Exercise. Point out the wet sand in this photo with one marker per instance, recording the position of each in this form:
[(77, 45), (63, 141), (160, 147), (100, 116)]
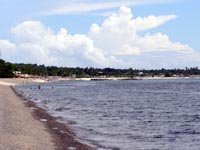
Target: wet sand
[(24, 126)]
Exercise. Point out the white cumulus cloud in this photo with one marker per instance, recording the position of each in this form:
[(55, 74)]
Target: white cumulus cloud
[(38, 43), (116, 42), (119, 34), (7, 49)]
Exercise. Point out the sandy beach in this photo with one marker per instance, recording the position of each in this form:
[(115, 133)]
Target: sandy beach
[(24, 126)]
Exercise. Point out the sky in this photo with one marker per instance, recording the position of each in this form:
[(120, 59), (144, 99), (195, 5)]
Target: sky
[(140, 34)]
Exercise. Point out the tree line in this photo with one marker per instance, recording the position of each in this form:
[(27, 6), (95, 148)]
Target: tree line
[(7, 69)]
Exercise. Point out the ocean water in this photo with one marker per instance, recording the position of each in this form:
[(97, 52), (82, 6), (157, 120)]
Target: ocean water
[(126, 115)]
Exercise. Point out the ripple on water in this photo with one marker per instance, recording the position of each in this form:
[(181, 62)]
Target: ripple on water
[(126, 115)]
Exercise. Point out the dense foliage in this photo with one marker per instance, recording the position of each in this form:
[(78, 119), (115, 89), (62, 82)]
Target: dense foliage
[(6, 70), (41, 70)]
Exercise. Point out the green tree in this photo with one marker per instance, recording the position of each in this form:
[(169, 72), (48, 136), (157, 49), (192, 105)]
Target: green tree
[(6, 69)]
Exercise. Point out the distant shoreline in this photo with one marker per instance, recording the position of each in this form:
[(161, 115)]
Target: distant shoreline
[(41, 80), (119, 78)]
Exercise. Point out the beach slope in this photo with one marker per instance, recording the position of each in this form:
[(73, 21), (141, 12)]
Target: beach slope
[(18, 129)]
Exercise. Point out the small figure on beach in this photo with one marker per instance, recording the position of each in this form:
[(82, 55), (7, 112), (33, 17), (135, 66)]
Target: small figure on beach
[(39, 87)]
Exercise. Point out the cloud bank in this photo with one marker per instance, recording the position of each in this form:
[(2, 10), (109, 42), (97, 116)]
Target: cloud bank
[(116, 42)]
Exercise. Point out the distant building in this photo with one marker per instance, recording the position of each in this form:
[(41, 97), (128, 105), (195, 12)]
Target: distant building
[(141, 73), (17, 72)]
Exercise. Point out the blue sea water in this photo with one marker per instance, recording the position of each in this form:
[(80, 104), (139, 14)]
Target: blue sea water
[(126, 115)]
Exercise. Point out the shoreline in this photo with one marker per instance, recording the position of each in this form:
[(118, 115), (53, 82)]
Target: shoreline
[(120, 78), (63, 137), (18, 129), (21, 81)]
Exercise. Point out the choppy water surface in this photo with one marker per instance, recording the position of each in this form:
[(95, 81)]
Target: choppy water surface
[(128, 115)]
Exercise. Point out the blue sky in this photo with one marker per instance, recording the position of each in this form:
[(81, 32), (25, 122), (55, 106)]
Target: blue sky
[(176, 29)]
